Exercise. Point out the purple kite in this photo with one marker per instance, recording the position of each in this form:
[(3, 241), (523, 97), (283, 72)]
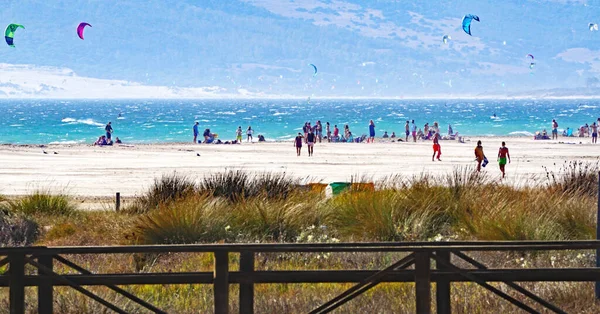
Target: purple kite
[(80, 29)]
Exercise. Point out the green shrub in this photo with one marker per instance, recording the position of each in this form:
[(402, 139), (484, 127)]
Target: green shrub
[(60, 230), (575, 177), (42, 202), (16, 230), (194, 219), (167, 189)]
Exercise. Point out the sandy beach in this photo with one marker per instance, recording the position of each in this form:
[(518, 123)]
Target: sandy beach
[(99, 172)]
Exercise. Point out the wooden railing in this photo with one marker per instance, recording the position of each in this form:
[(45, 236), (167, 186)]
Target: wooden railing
[(415, 266)]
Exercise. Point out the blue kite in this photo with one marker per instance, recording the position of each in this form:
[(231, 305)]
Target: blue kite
[(315, 67), (466, 22)]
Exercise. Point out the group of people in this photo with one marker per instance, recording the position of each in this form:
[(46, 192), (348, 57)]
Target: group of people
[(104, 140), (585, 130), (210, 137), (503, 157)]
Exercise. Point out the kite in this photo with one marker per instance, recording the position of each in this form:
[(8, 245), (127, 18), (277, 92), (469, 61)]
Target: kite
[(466, 22), (446, 38), (593, 27), (80, 29), (531, 64), (9, 34), (315, 67)]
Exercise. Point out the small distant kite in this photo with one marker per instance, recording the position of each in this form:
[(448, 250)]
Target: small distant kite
[(466, 22), (9, 34), (446, 39), (80, 29), (531, 64), (593, 27), (314, 67)]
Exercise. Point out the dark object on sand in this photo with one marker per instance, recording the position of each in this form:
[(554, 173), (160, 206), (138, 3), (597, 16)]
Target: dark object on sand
[(197, 154)]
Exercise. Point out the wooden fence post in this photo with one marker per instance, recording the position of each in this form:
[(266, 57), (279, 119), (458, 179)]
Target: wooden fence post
[(423, 282), (16, 282), (45, 289), (221, 282), (118, 201), (247, 288), (442, 288)]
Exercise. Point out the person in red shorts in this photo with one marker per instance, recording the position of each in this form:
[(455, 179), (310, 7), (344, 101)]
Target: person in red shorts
[(436, 147)]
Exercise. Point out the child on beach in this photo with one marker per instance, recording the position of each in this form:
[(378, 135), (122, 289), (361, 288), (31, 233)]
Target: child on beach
[(436, 147), (298, 143), (249, 133), (502, 155), (238, 134), (479, 156), (371, 138)]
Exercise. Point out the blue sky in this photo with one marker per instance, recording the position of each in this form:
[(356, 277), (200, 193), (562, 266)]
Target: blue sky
[(378, 48)]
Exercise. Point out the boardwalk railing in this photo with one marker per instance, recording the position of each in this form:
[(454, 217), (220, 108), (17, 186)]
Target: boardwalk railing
[(415, 266)]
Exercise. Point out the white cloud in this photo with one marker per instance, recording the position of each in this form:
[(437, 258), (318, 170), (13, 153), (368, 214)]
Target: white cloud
[(28, 81), (372, 23), (583, 56)]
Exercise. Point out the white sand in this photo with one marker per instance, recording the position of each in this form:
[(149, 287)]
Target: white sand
[(102, 171)]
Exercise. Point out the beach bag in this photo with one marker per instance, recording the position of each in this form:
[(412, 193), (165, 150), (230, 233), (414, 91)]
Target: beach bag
[(485, 162)]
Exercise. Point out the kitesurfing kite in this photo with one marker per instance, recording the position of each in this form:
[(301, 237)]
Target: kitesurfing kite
[(314, 67), (9, 34), (80, 29), (531, 64), (466, 22), (446, 38), (593, 27)]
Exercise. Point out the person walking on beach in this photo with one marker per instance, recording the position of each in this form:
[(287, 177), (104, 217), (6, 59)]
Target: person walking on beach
[(371, 138), (328, 130), (594, 133), (436, 147), (407, 129), (238, 134), (554, 129), (249, 133), (108, 128), (502, 155), (298, 143), (414, 131), (479, 156), (195, 129), (310, 142), (319, 130)]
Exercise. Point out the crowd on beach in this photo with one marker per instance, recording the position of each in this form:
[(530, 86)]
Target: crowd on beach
[(106, 140), (586, 130)]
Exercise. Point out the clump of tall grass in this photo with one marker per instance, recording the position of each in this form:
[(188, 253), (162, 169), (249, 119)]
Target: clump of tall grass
[(194, 219), (42, 202), (166, 189), (16, 230), (236, 185), (576, 177), (268, 219)]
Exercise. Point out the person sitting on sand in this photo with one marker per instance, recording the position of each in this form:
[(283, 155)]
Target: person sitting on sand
[(101, 141), (393, 135), (450, 131), (206, 135), (385, 135), (420, 134), (479, 156), (261, 138), (118, 141)]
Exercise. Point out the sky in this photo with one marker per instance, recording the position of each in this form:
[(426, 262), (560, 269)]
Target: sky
[(263, 48)]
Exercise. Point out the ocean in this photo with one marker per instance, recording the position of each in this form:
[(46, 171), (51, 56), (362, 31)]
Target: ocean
[(157, 121)]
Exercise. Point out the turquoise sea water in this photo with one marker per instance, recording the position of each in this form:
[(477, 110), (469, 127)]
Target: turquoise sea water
[(155, 121)]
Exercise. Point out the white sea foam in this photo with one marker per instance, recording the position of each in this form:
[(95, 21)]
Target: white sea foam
[(81, 121), (521, 133), (230, 113), (281, 114), (66, 142)]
